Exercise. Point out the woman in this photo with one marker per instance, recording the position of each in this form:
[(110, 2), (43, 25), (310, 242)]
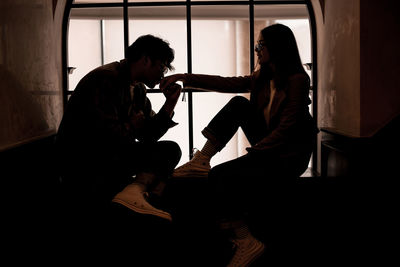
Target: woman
[(277, 123)]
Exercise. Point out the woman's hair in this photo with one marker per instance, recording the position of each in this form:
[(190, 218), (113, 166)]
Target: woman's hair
[(283, 52), (153, 47)]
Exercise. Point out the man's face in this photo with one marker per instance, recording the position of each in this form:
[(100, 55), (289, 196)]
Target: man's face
[(153, 72)]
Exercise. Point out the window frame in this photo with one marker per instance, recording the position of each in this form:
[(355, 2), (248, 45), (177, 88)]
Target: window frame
[(125, 4)]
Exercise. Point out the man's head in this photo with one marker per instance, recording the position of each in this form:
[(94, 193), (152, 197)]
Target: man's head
[(153, 55)]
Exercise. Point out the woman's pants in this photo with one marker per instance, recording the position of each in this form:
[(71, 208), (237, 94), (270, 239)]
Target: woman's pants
[(239, 184), (238, 112)]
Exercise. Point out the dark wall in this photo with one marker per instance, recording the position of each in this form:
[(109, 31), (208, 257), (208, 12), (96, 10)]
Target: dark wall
[(380, 68), (30, 70)]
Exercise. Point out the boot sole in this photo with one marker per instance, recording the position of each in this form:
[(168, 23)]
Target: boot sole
[(256, 256), (165, 215), (191, 174)]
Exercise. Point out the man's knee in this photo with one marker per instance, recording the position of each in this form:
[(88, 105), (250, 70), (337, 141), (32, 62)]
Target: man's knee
[(218, 176), (172, 149)]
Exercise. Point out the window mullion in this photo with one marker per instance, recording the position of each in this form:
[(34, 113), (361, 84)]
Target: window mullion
[(126, 26), (102, 36), (251, 32), (189, 62)]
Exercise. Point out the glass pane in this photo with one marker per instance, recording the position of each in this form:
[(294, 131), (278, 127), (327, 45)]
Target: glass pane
[(144, 1), (97, 13), (280, 11), (300, 1), (220, 47), (84, 48), (215, 0), (218, 12), (168, 23), (95, 38), (96, 1), (113, 39)]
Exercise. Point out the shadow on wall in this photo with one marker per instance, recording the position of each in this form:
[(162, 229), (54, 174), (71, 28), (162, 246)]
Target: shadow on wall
[(21, 117)]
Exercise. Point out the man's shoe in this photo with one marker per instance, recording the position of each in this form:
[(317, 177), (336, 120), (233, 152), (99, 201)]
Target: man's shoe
[(198, 166), (134, 197), (247, 250)]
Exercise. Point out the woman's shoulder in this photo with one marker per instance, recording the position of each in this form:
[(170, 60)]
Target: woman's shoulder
[(255, 74), (298, 81), (299, 77)]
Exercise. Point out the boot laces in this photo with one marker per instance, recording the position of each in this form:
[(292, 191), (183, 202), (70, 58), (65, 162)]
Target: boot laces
[(238, 251), (194, 151)]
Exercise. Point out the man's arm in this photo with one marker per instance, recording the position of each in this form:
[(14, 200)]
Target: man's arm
[(156, 125), (171, 94)]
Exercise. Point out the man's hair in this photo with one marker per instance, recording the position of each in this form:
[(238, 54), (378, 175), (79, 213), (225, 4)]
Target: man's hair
[(153, 47)]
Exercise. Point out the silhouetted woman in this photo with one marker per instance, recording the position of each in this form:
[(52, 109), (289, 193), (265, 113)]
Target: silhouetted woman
[(276, 122)]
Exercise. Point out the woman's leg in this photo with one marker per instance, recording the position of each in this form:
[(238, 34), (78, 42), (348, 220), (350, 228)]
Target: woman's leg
[(246, 247), (238, 112), (244, 188), (234, 187)]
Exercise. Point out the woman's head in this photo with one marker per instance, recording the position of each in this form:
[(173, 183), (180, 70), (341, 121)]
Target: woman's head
[(277, 50)]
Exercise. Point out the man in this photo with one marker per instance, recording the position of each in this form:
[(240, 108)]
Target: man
[(108, 136)]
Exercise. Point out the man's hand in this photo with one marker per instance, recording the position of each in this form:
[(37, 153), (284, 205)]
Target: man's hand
[(166, 82), (171, 94), (137, 119)]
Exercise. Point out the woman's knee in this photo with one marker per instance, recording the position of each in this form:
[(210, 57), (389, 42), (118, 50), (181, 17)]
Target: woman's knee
[(237, 106), (215, 172), (239, 101)]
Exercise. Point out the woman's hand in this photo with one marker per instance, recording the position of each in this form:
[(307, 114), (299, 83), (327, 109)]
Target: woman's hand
[(166, 82), (253, 149)]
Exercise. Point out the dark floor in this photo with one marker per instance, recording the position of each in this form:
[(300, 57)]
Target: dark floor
[(316, 223), (320, 222)]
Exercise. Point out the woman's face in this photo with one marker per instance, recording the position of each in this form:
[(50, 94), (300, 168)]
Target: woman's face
[(262, 51)]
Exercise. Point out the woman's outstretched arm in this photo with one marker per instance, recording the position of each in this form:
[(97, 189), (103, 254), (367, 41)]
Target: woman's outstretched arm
[(213, 83)]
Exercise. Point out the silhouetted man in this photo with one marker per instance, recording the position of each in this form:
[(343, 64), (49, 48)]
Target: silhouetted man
[(108, 139)]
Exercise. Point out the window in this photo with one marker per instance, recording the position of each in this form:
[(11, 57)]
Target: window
[(208, 37)]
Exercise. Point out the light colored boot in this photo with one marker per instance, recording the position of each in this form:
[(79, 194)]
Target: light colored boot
[(134, 196), (198, 166), (246, 251)]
